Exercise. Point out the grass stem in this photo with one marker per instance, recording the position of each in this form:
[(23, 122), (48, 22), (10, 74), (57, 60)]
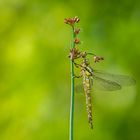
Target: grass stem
[(72, 93)]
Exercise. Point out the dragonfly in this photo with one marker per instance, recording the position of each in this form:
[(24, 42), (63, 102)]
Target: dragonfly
[(102, 81)]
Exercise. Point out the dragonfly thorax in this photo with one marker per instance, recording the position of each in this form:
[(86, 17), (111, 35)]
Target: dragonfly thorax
[(87, 71), (90, 70)]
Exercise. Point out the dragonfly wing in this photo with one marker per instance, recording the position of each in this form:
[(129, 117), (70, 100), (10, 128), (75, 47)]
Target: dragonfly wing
[(122, 80), (107, 82), (79, 88), (105, 85), (99, 84)]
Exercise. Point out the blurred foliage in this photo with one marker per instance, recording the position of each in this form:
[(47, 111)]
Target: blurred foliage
[(35, 71)]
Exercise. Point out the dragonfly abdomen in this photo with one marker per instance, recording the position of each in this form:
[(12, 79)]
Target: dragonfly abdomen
[(87, 89)]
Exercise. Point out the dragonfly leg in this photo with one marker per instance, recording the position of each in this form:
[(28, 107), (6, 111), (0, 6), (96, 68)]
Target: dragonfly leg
[(77, 65), (75, 76)]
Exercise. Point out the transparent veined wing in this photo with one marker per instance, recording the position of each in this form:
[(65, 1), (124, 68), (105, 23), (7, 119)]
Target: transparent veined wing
[(122, 80), (104, 84), (108, 82), (100, 84)]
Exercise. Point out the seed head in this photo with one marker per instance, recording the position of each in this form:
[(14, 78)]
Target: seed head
[(71, 21), (97, 58), (76, 41), (77, 30), (74, 53)]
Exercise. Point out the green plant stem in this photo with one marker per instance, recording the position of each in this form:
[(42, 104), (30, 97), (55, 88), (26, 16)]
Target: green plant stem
[(72, 93)]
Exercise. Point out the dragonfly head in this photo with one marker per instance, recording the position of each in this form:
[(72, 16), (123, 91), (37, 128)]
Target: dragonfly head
[(85, 62)]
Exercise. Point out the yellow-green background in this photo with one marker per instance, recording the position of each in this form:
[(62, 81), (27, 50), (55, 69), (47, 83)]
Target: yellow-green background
[(35, 70)]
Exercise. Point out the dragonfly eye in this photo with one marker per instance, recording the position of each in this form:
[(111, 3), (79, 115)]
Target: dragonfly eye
[(86, 62)]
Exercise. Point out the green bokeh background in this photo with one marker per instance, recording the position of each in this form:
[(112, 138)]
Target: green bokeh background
[(35, 70)]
